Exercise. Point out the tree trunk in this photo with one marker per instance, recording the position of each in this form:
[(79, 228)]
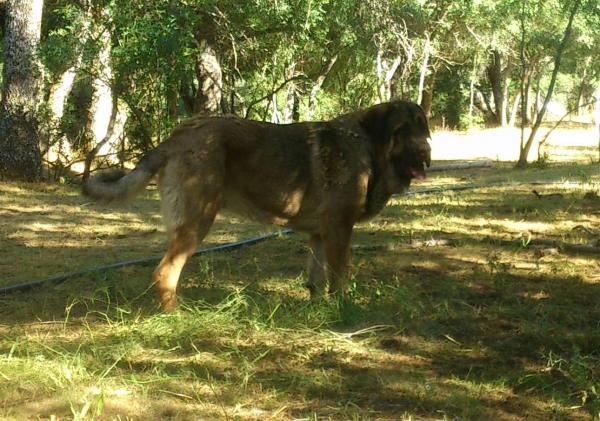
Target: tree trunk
[(405, 88), (585, 80), (275, 114), (59, 148), (208, 95), (515, 109), (296, 107), (528, 103), (208, 71), (597, 113), (290, 96), (105, 128), (108, 135), (424, 65), (427, 99), (402, 77), (494, 72), (171, 98), (20, 136), (524, 153), (505, 83), (385, 75), (101, 94), (231, 108), (523, 98), (379, 72), (472, 80), (312, 100)]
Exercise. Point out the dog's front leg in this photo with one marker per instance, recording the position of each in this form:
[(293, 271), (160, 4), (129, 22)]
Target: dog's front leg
[(316, 266), (336, 245)]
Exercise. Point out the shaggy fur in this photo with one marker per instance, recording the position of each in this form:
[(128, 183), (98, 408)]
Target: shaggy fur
[(319, 178)]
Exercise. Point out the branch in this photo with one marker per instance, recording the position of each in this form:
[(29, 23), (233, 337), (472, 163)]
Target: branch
[(570, 111), (557, 61), (109, 132), (586, 229), (477, 37), (267, 96)]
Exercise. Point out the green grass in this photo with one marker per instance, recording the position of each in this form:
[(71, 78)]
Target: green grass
[(473, 331)]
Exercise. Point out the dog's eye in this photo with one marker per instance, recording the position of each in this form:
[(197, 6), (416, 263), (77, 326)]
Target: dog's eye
[(404, 129)]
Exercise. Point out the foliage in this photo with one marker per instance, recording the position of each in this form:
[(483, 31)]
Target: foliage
[(280, 50)]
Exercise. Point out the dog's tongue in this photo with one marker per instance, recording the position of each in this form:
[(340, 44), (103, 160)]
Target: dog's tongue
[(418, 172)]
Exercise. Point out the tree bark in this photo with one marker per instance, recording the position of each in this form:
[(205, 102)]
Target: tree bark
[(58, 148), (505, 83), (427, 99), (597, 113), (110, 130), (424, 65), (524, 153), (312, 100), (208, 71), (499, 77), (291, 94), (515, 109), (385, 75), (585, 82), (101, 94), (20, 134), (494, 72)]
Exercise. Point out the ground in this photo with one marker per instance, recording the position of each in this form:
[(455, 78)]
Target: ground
[(476, 330)]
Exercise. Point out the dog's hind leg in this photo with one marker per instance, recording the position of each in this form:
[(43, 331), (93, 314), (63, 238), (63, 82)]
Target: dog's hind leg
[(316, 266), (183, 244), (189, 212), (184, 241)]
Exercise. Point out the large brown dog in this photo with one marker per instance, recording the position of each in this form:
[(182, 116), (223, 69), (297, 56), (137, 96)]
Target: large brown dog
[(319, 178)]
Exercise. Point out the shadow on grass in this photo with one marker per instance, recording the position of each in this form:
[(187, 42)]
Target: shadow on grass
[(484, 346), (461, 336)]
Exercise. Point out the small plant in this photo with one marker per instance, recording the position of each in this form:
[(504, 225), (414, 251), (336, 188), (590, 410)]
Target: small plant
[(584, 179), (472, 122), (95, 406), (499, 269)]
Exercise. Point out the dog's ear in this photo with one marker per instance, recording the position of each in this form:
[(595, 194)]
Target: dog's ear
[(375, 122), (421, 122)]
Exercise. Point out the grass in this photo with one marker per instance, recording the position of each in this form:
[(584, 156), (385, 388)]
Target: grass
[(474, 331)]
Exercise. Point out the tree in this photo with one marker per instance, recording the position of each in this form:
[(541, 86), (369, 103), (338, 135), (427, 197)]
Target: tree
[(20, 134), (526, 146), (294, 60)]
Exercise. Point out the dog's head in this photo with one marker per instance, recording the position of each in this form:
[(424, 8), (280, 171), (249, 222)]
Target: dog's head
[(399, 133)]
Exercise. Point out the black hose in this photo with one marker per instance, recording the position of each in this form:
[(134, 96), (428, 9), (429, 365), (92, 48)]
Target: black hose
[(61, 278), (482, 186)]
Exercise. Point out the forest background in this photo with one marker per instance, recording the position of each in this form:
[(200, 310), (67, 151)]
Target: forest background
[(82, 78)]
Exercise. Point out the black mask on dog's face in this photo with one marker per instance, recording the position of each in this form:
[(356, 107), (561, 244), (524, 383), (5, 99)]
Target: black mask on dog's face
[(411, 150)]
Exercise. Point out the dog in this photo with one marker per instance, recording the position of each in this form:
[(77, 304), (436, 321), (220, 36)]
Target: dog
[(319, 178)]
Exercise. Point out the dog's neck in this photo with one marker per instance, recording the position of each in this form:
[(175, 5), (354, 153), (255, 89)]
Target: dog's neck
[(383, 183)]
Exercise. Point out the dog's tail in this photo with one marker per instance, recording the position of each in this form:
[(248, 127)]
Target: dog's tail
[(119, 186)]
